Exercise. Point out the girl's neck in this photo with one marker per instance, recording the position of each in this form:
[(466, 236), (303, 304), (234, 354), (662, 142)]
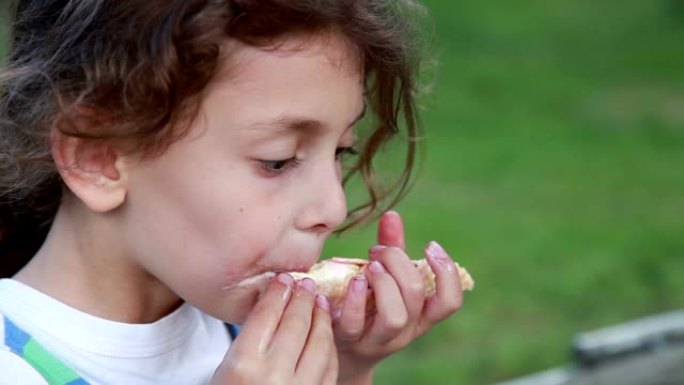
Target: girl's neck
[(83, 264)]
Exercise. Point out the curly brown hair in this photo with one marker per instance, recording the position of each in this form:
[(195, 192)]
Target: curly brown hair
[(141, 67)]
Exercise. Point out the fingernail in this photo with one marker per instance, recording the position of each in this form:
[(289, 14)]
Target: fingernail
[(392, 212), (375, 251), (436, 252), (308, 284), (336, 314), (359, 284), (376, 267), (285, 279), (322, 302)]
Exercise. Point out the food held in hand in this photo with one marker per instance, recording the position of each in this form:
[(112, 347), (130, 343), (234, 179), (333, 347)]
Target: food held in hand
[(332, 277)]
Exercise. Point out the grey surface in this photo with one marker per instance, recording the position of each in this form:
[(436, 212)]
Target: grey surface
[(645, 351), (661, 367), (558, 376), (642, 335)]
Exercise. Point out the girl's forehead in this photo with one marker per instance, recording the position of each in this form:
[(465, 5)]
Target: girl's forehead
[(312, 80), (331, 49)]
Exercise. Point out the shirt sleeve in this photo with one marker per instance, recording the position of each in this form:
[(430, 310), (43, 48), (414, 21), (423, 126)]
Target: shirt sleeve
[(17, 371)]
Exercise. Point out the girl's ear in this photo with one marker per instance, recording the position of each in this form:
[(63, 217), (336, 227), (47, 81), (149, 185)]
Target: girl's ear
[(93, 170)]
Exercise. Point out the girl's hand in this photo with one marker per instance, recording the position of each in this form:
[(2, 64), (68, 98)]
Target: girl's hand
[(403, 312), (287, 339)]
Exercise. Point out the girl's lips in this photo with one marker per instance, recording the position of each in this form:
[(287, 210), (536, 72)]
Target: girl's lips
[(260, 280), (264, 271)]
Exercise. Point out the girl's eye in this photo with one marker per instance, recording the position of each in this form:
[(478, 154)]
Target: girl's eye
[(278, 166), (342, 151)]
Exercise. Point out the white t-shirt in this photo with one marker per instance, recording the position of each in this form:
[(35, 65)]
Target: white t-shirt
[(182, 348)]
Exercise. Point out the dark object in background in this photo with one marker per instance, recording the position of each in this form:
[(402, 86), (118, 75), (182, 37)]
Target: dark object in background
[(20, 237)]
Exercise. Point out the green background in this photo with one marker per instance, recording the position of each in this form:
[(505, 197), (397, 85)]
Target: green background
[(554, 139), (554, 171)]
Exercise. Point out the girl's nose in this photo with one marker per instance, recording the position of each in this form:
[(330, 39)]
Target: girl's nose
[(326, 202)]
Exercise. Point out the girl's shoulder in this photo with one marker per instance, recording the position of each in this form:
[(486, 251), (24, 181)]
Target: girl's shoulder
[(15, 369), (102, 350)]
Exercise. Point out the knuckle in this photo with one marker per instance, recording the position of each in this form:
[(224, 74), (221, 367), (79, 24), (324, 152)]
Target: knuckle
[(453, 304), (323, 331), (416, 288), (396, 323), (354, 316), (326, 342), (321, 334), (274, 378), (325, 348), (351, 334), (299, 322), (388, 253), (394, 252), (243, 368)]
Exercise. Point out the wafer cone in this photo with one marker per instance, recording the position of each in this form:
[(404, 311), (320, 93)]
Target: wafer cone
[(332, 277)]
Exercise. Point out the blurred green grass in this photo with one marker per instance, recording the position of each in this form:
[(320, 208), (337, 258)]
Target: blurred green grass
[(555, 145)]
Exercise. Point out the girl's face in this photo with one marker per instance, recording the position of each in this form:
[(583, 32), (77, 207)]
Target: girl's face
[(256, 185)]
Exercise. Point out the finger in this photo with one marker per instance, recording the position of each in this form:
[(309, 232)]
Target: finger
[(263, 320), (314, 362), (391, 230), (351, 322), (290, 338), (448, 296), (331, 374), (407, 277), (391, 316)]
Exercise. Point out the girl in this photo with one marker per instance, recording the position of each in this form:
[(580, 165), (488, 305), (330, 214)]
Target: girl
[(179, 147)]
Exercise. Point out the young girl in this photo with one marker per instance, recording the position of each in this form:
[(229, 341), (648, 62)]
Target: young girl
[(178, 148)]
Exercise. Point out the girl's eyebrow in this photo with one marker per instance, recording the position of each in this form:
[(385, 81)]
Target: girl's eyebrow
[(297, 123)]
